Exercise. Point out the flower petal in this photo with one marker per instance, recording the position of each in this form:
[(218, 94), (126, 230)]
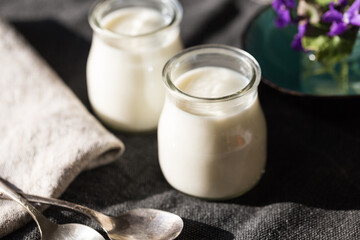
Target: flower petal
[(289, 3), (283, 19), (296, 43), (354, 8), (337, 28), (277, 5), (355, 20), (351, 16), (343, 3), (332, 15)]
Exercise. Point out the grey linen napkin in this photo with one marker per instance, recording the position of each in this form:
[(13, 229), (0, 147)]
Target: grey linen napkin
[(47, 137)]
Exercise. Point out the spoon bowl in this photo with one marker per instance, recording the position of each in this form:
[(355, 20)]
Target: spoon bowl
[(145, 223), (71, 231)]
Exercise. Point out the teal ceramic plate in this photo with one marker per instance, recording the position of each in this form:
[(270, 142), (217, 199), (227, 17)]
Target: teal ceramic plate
[(272, 48)]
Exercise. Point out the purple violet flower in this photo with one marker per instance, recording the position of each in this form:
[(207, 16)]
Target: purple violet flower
[(296, 43), (343, 3), (337, 28), (332, 15), (283, 8), (339, 21), (352, 16)]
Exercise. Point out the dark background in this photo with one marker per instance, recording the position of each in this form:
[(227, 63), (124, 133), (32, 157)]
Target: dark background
[(311, 187)]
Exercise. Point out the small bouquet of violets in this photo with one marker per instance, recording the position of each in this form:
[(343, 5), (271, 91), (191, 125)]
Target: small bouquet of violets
[(327, 28)]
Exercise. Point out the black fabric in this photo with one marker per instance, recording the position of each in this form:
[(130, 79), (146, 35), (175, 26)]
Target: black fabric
[(311, 187)]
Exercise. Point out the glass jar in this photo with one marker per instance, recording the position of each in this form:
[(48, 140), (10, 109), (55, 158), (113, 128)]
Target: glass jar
[(341, 78), (212, 146), (132, 41)]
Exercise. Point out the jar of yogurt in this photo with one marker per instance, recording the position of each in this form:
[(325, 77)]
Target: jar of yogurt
[(212, 131), (132, 41)]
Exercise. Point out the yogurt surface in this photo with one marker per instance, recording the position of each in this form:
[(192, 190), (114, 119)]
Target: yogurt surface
[(211, 82), (134, 21)]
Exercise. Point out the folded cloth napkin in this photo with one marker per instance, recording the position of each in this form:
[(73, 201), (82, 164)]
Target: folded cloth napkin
[(47, 137)]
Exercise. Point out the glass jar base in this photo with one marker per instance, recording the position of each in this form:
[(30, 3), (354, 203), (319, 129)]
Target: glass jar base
[(122, 127), (222, 198)]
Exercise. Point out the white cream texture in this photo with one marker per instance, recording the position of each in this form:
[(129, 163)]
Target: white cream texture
[(124, 73), (213, 156)]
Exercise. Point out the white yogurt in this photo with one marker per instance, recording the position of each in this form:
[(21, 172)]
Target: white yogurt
[(210, 153), (124, 67)]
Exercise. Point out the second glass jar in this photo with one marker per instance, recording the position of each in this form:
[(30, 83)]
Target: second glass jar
[(132, 41)]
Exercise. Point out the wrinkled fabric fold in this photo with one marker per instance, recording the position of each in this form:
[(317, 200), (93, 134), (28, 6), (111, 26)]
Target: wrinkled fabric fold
[(47, 137)]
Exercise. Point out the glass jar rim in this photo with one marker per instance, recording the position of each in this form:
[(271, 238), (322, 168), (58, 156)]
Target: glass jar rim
[(95, 22), (250, 86)]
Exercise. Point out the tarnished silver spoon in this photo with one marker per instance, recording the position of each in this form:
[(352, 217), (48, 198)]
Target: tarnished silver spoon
[(48, 229), (139, 224)]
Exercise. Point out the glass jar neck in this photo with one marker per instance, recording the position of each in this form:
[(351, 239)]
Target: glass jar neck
[(170, 10), (212, 107), (219, 56)]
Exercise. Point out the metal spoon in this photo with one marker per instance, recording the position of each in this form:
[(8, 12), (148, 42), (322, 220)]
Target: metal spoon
[(48, 229), (141, 224)]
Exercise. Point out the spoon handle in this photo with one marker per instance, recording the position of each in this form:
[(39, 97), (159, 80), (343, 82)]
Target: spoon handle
[(62, 203), (102, 219), (36, 215)]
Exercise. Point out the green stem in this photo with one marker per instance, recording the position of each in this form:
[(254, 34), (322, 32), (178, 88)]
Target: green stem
[(342, 79)]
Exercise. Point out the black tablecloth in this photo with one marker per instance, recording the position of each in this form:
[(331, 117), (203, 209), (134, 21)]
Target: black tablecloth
[(311, 187)]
